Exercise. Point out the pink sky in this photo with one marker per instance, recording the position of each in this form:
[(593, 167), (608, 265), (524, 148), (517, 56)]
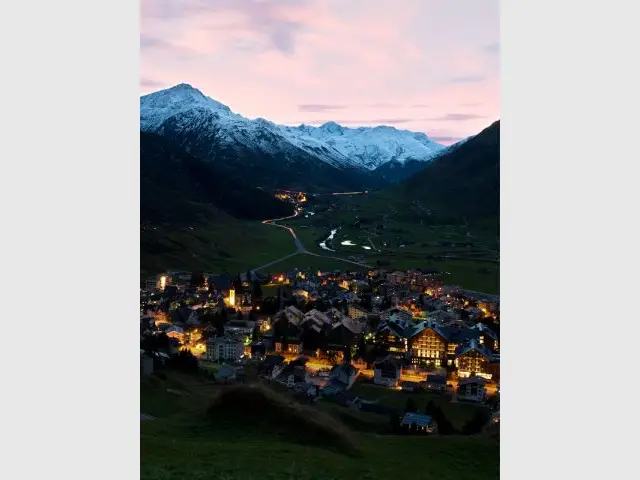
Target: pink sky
[(422, 65)]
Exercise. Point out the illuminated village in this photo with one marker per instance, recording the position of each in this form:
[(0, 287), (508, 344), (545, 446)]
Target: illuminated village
[(321, 333)]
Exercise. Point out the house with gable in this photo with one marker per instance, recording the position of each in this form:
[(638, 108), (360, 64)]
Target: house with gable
[(473, 359), (487, 337), (393, 335), (472, 389), (387, 371)]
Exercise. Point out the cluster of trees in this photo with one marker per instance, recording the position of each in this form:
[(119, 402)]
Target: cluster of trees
[(155, 343), (184, 361)]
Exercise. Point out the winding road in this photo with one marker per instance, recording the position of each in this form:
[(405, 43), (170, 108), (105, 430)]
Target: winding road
[(300, 248)]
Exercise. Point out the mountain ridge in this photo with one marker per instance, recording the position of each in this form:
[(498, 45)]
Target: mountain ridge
[(186, 109)]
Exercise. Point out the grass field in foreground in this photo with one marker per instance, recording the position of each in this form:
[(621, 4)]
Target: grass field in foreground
[(182, 443)]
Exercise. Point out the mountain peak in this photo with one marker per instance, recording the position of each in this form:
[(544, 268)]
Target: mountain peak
[(332, 127), (183, 86)]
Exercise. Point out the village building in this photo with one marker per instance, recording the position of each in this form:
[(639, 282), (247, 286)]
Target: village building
[(387, 371), (472, 358), (223, 348), (472, 389)]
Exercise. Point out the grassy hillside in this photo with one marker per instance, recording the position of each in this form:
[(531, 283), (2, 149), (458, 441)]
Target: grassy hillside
[(183, 442), (227, 245), (193, 218), (464, 182)]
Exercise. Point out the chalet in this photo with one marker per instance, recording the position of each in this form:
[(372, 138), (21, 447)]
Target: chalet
[(270, 364), (393, 337), (436, 383), (402, 313), (291, 374), (418, 423), (344, 333), (387, 371), (343, 375), (472, 389), (287, 333), (487, 337), (430, 342), (472, 358)]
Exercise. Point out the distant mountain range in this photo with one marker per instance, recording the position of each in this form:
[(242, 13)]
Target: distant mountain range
[(261, 153)]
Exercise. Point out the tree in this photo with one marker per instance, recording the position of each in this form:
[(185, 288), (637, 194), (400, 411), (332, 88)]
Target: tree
[(197, 279), (411, 406), (255, 334), (431, 408), (185, 361), (256, 291), (154, 343), (477, 422)]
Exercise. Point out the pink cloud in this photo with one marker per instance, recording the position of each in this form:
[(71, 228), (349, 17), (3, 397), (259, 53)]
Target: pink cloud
[(268, 58)]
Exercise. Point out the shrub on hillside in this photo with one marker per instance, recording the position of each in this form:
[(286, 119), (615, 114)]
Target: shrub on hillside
[(477, 422), (260, 407), (184, 361)]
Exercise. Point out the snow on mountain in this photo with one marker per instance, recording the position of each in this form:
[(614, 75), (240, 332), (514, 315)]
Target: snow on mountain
[(185, 108), (371, 147)]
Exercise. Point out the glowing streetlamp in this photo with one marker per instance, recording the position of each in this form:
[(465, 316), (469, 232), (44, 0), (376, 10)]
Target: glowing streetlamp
[(232, 298), (163, 282)]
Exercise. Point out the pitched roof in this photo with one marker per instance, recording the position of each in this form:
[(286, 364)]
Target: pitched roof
[(481, 327), (473, 345), (346, 368), (417, 418), (465, 381), (437, 379), (272, 360), (388, 359)]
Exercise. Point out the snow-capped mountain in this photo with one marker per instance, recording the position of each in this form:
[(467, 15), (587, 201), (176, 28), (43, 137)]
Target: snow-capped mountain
[(185, 112), (370, 147)]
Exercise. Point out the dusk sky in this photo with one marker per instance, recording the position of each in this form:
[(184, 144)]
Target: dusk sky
[(424, 65)]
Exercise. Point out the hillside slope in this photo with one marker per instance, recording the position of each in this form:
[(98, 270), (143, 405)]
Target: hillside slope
[(193, 217), (464, 182), (178, 188)]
